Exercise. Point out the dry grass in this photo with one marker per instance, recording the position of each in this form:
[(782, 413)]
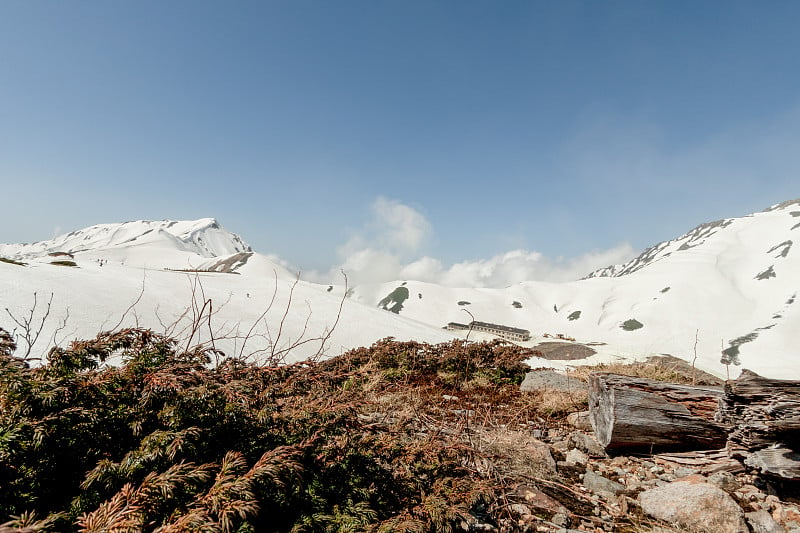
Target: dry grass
[(556, 404), (659, 370)]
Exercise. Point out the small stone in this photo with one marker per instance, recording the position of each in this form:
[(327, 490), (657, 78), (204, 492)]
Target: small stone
[(724, 480), (560, 519), (561, 446), (580, 420), (586, 443), (539, 501), (599, 484), (520, 509), (683, 471), (576, 457), (762, 522), (695, 505)]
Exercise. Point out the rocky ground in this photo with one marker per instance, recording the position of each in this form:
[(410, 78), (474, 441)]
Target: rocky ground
[(588, 491), (580, 488)]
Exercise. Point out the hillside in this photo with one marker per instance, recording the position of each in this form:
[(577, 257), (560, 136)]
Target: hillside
[(725, 286), (724, 292), (192, 280)]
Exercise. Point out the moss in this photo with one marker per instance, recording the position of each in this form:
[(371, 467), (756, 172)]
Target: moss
[(64, 263)]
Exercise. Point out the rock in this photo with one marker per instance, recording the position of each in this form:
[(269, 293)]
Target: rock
[(762, 522), (551, 380), (580, 420), (586, 443), (539, 501), (683, 471), (696, 505), (724, 480), (576, 457), (520, 509), (597, 483), (560, 519)]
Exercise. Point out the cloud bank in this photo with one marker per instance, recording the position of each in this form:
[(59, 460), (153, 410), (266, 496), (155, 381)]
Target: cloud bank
[(389, 247)]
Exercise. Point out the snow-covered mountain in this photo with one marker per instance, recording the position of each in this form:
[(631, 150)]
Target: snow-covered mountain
[(725, 292), (137, 243), (190, 279)]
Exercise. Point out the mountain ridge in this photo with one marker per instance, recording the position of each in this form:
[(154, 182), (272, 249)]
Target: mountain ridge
[(722, 296), (204, 237)]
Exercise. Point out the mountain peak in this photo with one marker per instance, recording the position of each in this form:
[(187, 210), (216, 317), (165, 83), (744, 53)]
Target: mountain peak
[(712, 239), (204, 237)]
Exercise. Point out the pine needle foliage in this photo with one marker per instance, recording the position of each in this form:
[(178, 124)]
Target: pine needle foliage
[(162, 441)]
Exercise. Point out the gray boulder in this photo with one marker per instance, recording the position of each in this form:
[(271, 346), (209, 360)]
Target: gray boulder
[(762, 522), (601, 485), (696, 505)]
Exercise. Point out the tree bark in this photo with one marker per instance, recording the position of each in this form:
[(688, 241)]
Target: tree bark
[(637, 414), (763, 411), (765, 415)]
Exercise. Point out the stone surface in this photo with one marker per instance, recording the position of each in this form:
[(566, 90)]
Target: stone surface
[(580, 420), (724, 480), (762, 522), (586, 443), (696, 505), (597, 483), (539, 501), (551, 380), (576, 457)]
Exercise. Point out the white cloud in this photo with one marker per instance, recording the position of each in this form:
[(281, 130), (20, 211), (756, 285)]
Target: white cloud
[(400, 227), (387, 249)]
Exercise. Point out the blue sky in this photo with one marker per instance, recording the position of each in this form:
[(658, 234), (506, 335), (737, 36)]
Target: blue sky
[(319, 130)]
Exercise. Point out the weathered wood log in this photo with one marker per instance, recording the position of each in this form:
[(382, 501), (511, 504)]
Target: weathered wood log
[(777, 461), (763, 412), (629, 413), (765, 415), (703, 461)]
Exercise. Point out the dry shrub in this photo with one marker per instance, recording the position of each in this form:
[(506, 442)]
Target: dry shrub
[(557, 404), (658, 370)]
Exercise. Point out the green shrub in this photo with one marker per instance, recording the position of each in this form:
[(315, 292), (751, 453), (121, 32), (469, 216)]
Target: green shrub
[(166, 441)]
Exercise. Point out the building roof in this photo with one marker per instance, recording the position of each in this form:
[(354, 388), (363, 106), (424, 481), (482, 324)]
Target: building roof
[(500, 327)]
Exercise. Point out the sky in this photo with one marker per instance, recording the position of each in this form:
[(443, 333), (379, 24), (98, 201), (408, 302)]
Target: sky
[(462, 142)]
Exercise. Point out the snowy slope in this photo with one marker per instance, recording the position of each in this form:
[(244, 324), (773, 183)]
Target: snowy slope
[(729, 286), (164, 243), (732, 285), (169, 275)]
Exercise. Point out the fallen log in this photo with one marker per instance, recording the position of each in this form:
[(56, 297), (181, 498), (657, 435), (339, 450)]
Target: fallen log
[(704, 461), (763, 412), (776, 461), (765, 415), (638, 414)]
